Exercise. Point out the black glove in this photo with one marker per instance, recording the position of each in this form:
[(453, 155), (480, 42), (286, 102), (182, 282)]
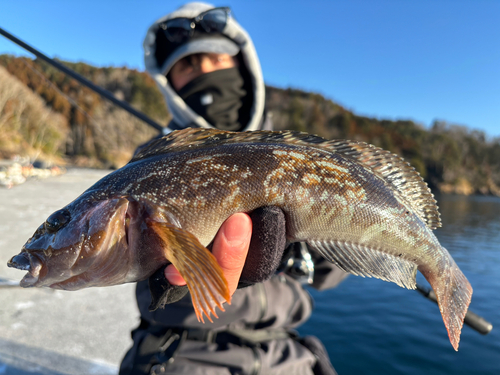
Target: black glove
[(267, 245), (162, 292)]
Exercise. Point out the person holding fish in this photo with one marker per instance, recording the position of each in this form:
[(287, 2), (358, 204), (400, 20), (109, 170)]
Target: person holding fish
[(207, 210), (207, 68)]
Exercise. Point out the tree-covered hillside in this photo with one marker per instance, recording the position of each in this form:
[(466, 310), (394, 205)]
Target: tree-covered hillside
[(87, 130), (450, 157)]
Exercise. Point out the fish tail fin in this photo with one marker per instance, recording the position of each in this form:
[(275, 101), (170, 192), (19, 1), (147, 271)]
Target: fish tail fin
[(454, 293), (199, 268)]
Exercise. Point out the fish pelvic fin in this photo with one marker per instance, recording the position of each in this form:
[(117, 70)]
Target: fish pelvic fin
[(454, 293), (364, 261), (197, 265)]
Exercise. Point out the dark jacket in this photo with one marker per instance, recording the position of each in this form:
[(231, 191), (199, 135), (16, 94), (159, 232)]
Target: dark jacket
[(255, 333), (253, 336)]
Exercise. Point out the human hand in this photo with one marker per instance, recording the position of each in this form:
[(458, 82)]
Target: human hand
[(230, 248)]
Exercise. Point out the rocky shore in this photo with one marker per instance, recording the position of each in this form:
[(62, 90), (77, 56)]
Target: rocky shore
[(17, 170)]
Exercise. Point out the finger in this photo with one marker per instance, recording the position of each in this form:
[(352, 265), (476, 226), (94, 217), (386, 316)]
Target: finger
[(173, 276), (231, 247)]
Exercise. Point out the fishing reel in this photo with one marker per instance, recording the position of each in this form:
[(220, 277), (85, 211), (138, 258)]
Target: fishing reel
[(297, 263)]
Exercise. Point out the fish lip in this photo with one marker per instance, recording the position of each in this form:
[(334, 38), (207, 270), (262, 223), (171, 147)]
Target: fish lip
[(27, 262), (20, 261)]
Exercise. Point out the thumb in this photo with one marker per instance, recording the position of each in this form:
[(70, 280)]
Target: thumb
[(231, 247)]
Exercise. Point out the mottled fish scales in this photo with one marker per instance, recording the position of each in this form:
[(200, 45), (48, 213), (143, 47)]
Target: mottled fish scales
[(390, 167)]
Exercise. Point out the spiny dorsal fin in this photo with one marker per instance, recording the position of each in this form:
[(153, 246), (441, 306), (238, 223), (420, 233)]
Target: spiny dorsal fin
[(185, 139), (390, 167), (399, 173), (196, 138)]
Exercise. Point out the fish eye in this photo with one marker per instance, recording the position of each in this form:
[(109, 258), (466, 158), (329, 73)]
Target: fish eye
[(57, 220)]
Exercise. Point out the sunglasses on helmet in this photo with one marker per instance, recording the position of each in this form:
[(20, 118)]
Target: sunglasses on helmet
[(178, 30)]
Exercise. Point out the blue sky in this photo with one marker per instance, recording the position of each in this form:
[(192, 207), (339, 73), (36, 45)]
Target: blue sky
[(396, 59)]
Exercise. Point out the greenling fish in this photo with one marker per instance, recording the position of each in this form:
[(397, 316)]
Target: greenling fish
[(360, 207)]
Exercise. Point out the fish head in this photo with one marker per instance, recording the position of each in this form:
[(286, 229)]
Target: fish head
[(73, 246)]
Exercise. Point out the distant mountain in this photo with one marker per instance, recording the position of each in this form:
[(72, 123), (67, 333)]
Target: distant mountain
[(50, 115)]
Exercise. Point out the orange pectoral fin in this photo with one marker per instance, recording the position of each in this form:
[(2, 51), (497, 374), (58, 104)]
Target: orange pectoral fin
[(198, 267)]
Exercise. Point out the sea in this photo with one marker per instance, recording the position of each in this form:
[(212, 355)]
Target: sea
[(369, 326)]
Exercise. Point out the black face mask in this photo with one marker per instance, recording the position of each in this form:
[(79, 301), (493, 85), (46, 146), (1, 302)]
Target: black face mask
[(223, 98)]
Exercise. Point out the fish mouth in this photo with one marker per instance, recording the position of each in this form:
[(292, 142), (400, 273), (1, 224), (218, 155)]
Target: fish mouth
[(79, 254), (30, 263)]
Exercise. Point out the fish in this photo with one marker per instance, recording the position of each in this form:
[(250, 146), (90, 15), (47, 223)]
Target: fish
[(359, 206)]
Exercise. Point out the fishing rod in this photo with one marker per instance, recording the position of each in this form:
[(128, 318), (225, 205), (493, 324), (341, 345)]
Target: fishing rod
[(99, 90)]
